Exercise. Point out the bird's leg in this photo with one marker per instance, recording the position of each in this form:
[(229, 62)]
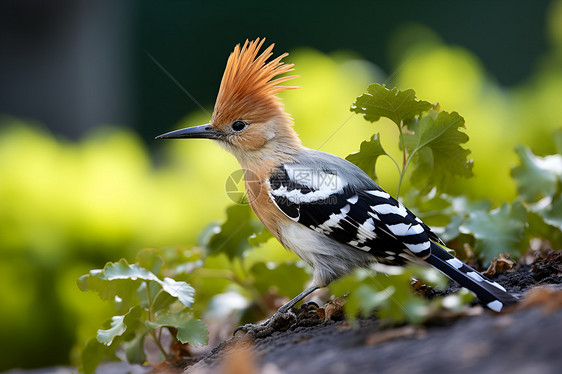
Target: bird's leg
[(281, 313)]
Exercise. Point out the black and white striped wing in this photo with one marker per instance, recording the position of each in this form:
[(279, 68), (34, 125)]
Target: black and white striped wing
[(369, 220)]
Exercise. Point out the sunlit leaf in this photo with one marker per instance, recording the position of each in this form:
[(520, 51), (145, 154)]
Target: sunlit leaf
[(437, 151), (536, 177), (108, 289), (367, 156), (190, 330), (183, 291), (119, 325), (117, 328), (123, 270), (123, 280), (233, 237), (394, 104), (498, 231)]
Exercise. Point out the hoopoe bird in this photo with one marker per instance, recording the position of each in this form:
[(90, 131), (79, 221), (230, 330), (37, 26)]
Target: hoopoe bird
[(322, 207)]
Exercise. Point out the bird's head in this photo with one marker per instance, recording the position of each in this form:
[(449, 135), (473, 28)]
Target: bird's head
[(249, 119)]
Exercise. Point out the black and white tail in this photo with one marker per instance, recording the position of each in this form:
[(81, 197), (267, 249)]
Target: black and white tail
[(490, 293)]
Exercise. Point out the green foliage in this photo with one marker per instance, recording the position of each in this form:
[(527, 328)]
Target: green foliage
[(390, 295), (151, 304), (123, 280), (435, 147), (537, 177), (232, 239), (429, 139), (394, 104), (539, 182), (499, 231), (189, 330), (366, 158)]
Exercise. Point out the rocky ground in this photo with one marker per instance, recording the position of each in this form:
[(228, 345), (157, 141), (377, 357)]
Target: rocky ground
[(524, 339)]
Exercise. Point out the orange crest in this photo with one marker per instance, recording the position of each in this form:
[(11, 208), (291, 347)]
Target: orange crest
[(248, 88)]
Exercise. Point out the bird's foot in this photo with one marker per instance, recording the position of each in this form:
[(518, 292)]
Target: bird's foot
[(280, 321)]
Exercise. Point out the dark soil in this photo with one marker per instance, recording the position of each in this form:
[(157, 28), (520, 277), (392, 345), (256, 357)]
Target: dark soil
[(523, 339)]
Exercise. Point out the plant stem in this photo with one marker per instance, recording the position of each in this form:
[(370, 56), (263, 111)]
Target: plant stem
[(149, 301), (158, 344), (404, 152)]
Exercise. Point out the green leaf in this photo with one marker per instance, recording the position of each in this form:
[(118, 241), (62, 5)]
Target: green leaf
[(162, 300), (190, 330), (123, 280), (552, 214), (368, 154), (261, 238), (438, 154), (119, 325), (194, 332), (134, 349), (498, 231), (125, 289), (94, 353), (233, 237), (183, 291), (394, 104), (536, 177), (115, 279), (539, 227), (122, 270)]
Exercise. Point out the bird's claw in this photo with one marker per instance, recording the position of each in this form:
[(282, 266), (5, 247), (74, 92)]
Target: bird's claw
[(279, 318)]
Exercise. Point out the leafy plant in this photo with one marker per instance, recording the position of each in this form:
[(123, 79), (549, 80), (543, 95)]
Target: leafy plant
[(539, 183), (431, 143), (148, 305), (430, 139)]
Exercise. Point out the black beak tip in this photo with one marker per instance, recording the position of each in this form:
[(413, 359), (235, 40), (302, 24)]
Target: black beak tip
[(202, 132)]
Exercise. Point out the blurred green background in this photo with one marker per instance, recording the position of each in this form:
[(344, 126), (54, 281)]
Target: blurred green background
[(85, 86)]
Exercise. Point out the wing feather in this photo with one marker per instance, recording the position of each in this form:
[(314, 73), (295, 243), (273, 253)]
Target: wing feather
[(367, 219)]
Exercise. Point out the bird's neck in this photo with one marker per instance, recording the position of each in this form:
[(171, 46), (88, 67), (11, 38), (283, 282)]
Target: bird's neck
[(274, 153)]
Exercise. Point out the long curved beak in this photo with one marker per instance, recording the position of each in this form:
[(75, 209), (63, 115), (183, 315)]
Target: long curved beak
[(195, 132)]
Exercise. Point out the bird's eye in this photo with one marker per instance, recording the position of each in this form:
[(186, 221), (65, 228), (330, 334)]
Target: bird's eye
[(239, 126)]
